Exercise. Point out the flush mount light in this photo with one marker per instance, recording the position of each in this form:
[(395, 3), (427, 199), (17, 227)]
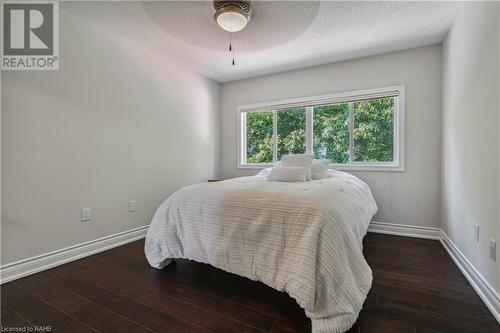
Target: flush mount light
[(232, 16)]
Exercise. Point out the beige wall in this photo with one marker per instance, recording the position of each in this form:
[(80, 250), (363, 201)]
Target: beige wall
[(115, 123), (410, 197), (471, 108)]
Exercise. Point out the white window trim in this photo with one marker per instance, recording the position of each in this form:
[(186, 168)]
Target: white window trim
[(399, 126)]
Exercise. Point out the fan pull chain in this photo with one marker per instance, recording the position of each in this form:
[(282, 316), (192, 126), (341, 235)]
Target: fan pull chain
[(231, 48), (232, 51), (230, 39)]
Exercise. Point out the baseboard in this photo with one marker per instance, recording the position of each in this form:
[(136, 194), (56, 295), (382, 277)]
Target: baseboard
[(45, 261), (404, 230), (489, 296)]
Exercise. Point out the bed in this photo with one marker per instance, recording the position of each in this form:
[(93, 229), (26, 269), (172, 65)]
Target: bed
[(302, 238)]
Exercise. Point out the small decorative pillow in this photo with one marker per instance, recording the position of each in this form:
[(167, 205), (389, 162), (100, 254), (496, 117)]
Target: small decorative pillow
[(264, 172), (287, 174), (319, 169), (299, 160)]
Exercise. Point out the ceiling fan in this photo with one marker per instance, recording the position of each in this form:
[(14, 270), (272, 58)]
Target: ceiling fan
[(232, 16)]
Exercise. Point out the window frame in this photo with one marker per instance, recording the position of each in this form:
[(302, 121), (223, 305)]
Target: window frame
[(398, 91)]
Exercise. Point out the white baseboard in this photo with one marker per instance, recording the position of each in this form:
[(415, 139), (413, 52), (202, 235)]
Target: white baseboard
[(404, 230), (489, 296), (45, 261)]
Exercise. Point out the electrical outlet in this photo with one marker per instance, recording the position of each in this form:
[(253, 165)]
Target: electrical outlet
[(476, 232), (493, 250), (86, 214), (132, 206)]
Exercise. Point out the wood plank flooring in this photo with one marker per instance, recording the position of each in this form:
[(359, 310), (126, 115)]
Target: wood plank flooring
[(416, 288)]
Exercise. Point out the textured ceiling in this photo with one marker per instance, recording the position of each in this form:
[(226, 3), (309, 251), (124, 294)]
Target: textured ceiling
[(281, 35)]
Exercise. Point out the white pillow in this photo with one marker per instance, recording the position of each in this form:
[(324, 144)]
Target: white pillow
[(299, 160), (264, 172), (319, 168), (287, 174)]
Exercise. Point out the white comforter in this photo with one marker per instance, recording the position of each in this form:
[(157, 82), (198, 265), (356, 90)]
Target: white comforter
[(301, 238)]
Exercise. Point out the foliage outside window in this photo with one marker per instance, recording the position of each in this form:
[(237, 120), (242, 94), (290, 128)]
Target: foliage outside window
[(331, 132), (291, 131), (259, 137), (374, 130), (357, 132)]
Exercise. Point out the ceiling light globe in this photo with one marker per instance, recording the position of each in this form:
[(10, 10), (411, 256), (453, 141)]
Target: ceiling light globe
[(231, 19)]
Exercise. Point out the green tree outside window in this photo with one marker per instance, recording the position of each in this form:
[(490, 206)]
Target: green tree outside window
[(374, 130), (291, 131), (259, 131)]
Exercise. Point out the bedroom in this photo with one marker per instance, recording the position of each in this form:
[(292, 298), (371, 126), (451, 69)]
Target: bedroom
[(132, 143)]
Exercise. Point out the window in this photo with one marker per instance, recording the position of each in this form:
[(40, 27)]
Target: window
[(356, 131)]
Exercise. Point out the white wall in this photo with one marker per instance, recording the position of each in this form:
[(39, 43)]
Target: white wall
[(115, 123), (471, 141), (410, 197)]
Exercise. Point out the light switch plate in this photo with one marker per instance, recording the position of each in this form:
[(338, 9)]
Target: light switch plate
[(476, 232), (86, 214), (493, 250), (132, 206)]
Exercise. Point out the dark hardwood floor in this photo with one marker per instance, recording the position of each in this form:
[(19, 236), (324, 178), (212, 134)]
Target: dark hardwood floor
[(416, 288)]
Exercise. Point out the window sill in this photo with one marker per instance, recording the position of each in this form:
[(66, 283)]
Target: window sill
[(255, 166), (340, 167), (368, 167)]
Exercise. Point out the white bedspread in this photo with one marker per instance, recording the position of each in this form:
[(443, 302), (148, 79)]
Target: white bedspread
[(301, 238)]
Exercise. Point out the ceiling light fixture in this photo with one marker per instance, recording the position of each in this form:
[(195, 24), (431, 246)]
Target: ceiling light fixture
[(232, 16)]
